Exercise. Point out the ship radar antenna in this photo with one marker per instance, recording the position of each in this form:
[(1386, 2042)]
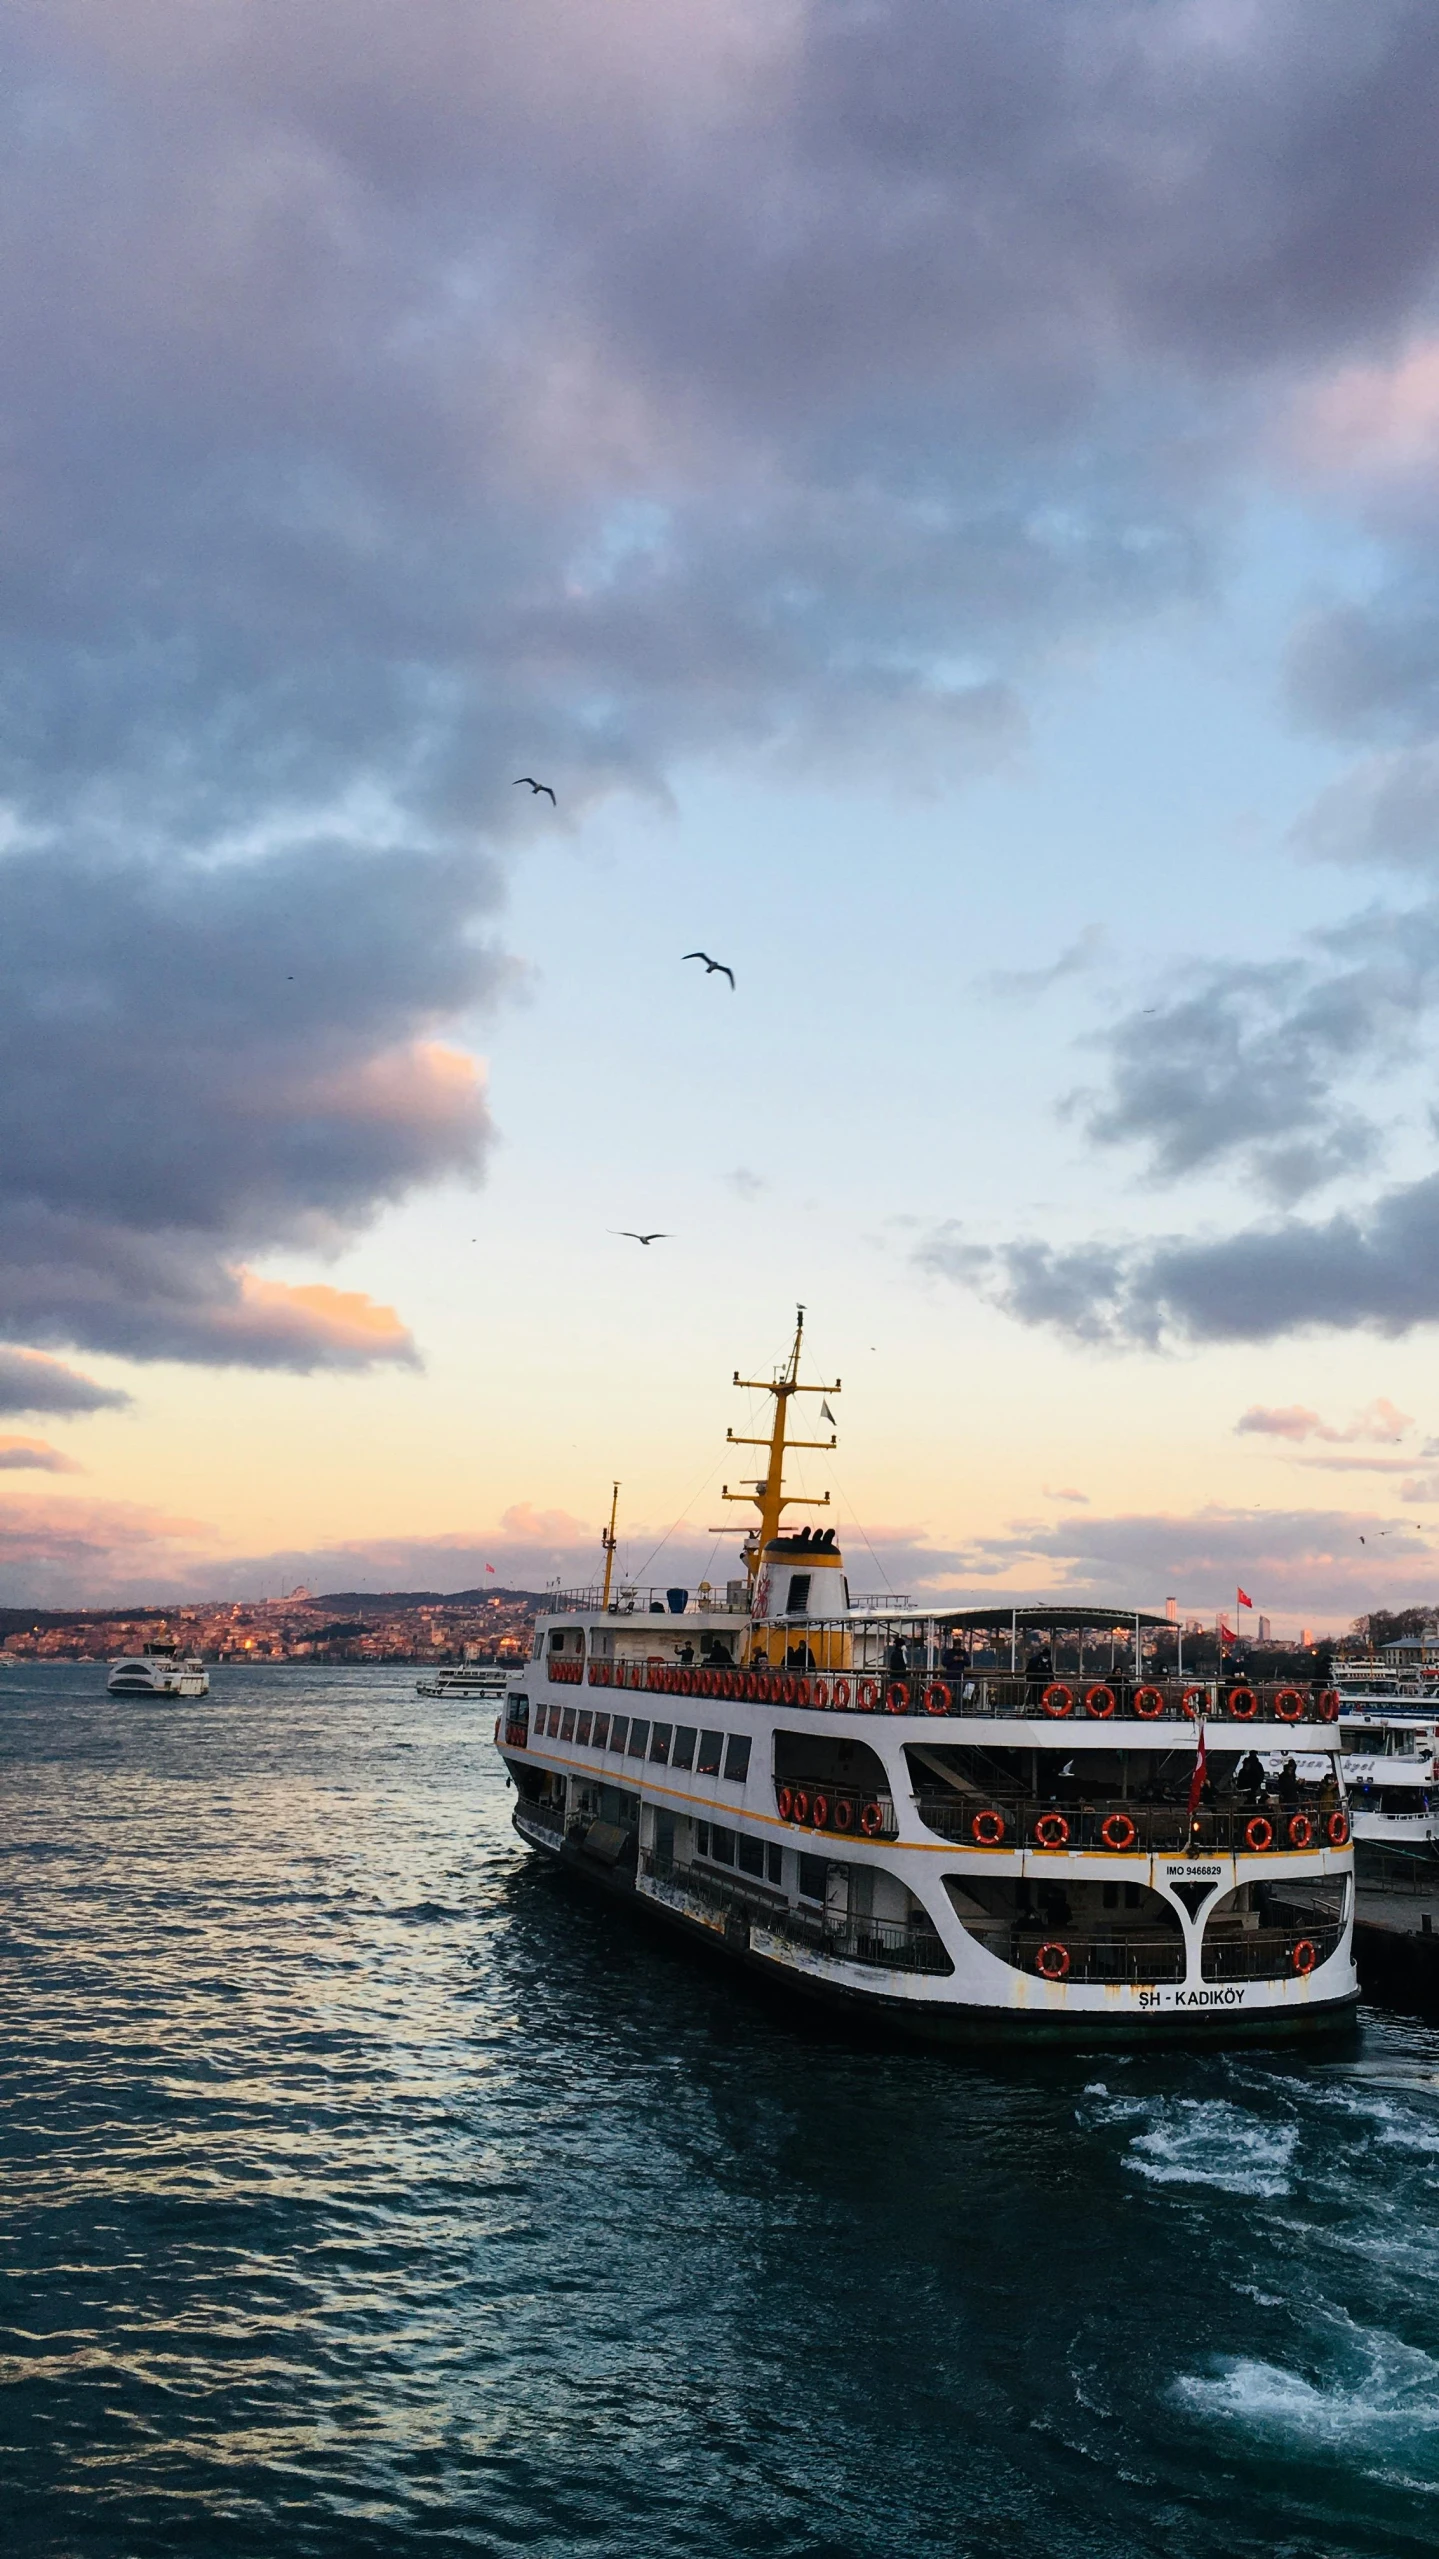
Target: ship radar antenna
[(608, 1541), (767, 1491)]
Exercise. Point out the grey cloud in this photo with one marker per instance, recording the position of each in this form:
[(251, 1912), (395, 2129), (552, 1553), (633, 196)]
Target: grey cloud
[(1378, 1272), (1083, 953), (1386, 812), (1366, 670), (1309, 1560), (36, 1455), (31, 1383)]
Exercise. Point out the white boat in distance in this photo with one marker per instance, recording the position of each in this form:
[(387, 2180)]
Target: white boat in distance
[(485, 1681), (161, 1670), (897, 1812)]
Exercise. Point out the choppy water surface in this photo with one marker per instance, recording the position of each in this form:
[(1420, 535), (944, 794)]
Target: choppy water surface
[(365, 2188)]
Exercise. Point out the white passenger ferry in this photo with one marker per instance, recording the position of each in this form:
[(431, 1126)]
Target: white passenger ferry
[(974, 1823), (1389, 1725), (161, 1670), (484, 1682)]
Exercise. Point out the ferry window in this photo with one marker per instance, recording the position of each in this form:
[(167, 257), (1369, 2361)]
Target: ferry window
[(618, 1730), (683, 1753), (602, 1731), (660, 1741), (542, 1716), (736, 1758), (722, 1845), (567, 1725), (774, 1863), (702, 1838), (811, 1878), (749, 1855), (708, 1762), (557, 1641), (639, 1735), (582, 1728), (798, 1600), (538, 1646)]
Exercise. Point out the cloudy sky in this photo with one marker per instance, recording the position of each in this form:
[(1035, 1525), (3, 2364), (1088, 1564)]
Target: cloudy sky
[(947, 492)]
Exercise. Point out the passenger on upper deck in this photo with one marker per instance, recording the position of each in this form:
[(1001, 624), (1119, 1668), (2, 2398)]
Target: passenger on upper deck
[(1040, 1664), (715, 1653), (952, 1662), (896, 1660)]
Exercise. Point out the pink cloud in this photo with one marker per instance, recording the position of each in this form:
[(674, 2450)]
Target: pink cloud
[(1372, 418), (1380, 1420), (19, 1454)]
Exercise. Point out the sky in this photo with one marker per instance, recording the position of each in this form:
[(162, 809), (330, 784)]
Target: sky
[(947, 494)]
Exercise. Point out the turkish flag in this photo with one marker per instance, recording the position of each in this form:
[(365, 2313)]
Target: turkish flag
[(1226, 1633), (1244, 1599)]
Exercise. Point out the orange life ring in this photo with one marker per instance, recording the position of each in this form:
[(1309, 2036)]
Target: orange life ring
[(1057, 1699), (1288, 1705), (1147, 1702), (843, 1813), (1301, 1831), (841, 1695), (1338, 1827), (819, 1811), (867, 1696), (937, 1699), (687, 1682), (1243, 1705), (1329, 1705), (1305, 1955), (1193, 1701), (805, 1693), (897, 1697), (1052, 1830), (1053, 1962), (1099, 1700), (987, 1829), (1258, 1834), (766, 1689), (801, 1804), (1118, 1832), (871, 1820), (751, 1686), (788, 1688), (819, 1692), (785, 1800)]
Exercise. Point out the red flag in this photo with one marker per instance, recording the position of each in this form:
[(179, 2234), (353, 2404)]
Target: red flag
[(1244, 1599), (1226, 1633), (489, 1568), (1196, 1782)]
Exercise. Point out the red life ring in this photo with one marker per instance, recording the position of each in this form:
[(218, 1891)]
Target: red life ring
[(1057, 1699), (801, 1805), (1118, 1832), (897, 1697), (805, 1693), (1052, 1830), (1258, 1834), (937, 1699), (1193, 1702), (871, 1821), (1099, 1701), (867, 1696), (785, 1801), (819, 1692), (594, 1674), (1148, 1702), (1329, 1705), (751, 1686), (987, 1829), (1053, 1962), (843, 1813), (1243, 1705), (819, 1811), (1301, 1831), (1305, 1955), (687, 1682), (1338, 1827), (841, 1695), (1288, 1705)]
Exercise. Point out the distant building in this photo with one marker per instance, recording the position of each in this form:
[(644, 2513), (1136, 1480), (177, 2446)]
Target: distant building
[(1407, 1650), (1266, 1630)]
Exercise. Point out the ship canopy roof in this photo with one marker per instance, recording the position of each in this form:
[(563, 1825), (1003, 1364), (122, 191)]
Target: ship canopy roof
[(1043, 1617)]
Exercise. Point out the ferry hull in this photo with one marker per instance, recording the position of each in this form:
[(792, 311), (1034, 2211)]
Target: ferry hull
[(1207, 2015)]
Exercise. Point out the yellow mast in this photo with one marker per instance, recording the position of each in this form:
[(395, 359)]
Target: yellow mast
[(607, 1540), (769, 1496)]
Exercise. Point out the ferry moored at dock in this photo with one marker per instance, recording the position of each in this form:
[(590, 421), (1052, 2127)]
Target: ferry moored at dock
[(977, 1824)]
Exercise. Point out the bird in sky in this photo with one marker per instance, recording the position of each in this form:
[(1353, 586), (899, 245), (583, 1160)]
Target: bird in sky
[(534, 786), (658, 1237), (713, 968)]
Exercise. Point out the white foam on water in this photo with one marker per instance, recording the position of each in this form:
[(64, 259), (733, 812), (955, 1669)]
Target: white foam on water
[(1396, 2397), (1208, 2142)]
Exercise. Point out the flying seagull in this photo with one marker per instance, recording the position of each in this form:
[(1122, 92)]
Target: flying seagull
[(713, 968), (658, 1237), (534, 786)]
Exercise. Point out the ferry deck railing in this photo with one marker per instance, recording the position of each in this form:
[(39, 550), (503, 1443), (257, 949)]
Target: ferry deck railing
[(1123, 1827), (939, 1696), (1268, 1954), (889, 1945), (1061, 1954)]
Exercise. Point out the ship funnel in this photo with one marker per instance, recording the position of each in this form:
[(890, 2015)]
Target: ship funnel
[(801, 1575)]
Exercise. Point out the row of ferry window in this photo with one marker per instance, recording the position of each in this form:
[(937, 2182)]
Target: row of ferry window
[(672, 1745)]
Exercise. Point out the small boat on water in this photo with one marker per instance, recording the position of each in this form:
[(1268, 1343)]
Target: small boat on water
[(161, 1670), (483, 1681), (976, 1823)]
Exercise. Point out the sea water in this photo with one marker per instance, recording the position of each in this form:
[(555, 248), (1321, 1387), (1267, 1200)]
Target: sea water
[(367, 2187)]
